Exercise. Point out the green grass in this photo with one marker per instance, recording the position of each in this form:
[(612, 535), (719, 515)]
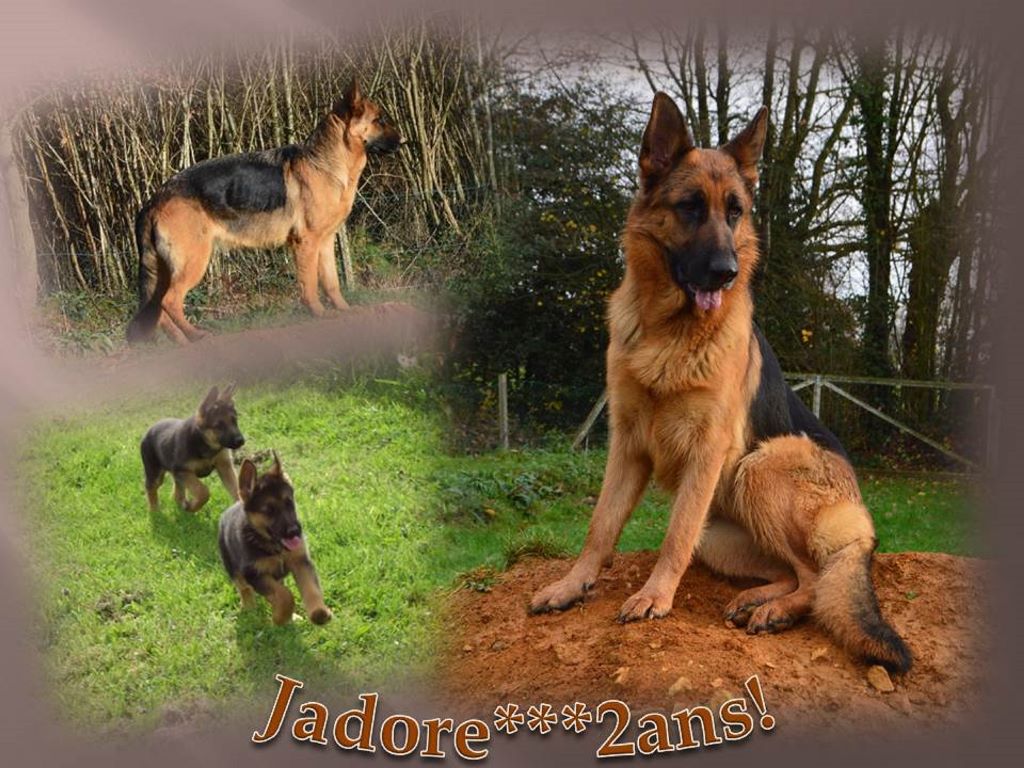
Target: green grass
[(546, 496), (136, 612), (137, 609), (919, 514)]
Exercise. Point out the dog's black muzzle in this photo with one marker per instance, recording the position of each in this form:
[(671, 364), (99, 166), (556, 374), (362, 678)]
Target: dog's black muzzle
[(288, 529), (384, 145), (234, 442), (711, 273), (722, 270)]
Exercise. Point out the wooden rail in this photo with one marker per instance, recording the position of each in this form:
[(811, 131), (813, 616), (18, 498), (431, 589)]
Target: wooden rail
[(820, 382)]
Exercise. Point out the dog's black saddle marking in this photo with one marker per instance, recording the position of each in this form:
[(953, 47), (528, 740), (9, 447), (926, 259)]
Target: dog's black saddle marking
[(777, 410), (239, 184)]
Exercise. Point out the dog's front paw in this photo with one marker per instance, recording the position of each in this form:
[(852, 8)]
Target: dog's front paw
[(280, 618), (320, 615), (560, 594), (648, 603), (315, 308), (284, 609)]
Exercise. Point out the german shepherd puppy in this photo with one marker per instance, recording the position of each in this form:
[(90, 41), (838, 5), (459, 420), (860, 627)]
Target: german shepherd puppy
[(297, 195), (192, 448), (261, 542), (698, 401)]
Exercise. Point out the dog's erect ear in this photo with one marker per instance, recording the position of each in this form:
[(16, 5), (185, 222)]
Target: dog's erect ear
[(747, 146), (353, 95), (246, 480), (666, 140), (351, 104), (277, 469), (208, 401), (228, 393)]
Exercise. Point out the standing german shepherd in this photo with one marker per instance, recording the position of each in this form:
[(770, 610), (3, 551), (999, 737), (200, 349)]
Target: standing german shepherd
[(261, 542), (297, 195), (697, 399)]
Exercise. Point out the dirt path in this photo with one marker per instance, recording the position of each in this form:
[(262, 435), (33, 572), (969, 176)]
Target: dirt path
[(497, 653)]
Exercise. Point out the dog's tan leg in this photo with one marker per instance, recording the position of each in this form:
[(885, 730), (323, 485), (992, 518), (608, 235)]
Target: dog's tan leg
[(228, 476), (328, 267), (783, 611), (625, 479), (179, 492), (171, 328), (779, 493), (152, 492), (246, 592), (740, 608), (690, 508), (282, 602), (309, 587), (189, 245), (174, 307), (730, 549), (307, 260), (196, 488)]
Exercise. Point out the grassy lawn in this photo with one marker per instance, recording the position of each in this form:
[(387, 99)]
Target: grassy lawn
[(137, 613), (542, 499), (137, 608)]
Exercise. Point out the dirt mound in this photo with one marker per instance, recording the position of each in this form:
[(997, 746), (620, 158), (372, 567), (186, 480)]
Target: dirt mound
[(498, 653)]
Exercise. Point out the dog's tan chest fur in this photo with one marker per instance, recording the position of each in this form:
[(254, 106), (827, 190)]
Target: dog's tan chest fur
[(681, 389), (203, 467)]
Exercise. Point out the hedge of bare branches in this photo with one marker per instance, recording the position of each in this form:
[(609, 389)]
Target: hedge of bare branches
[(93, 153)]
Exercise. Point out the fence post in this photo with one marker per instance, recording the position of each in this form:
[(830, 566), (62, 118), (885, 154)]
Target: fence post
[(816, 405), (503, 411), (584, 431)]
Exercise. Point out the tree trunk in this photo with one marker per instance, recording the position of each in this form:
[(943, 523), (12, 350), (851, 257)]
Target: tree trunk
[(346, 259), (869, 87)]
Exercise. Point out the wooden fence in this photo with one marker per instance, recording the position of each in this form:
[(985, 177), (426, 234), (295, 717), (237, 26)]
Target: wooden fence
[(820, 382)]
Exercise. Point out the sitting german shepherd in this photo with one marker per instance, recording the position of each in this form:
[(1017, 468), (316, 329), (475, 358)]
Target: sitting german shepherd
[(261, 542), (297, 195), (192, 448), (698, 401)]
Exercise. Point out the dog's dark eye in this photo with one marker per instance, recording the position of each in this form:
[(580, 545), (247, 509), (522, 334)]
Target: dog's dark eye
[(733, 212), (691, 207)]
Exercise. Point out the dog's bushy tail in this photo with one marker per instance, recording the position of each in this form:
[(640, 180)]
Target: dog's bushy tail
[(154, 278), (846, 606)]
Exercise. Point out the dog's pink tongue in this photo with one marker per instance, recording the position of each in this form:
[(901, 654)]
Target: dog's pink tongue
[(292, 543), (708, 300)]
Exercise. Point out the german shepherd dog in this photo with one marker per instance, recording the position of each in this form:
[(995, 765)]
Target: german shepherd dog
[(261, 542), (297, 195), (698, 401), (192, 448)]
